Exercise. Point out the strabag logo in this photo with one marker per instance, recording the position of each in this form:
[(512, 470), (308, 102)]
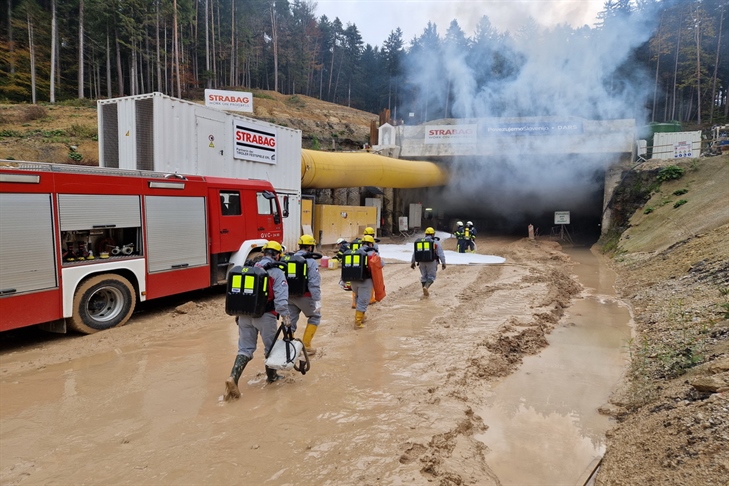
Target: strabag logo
[(451, 134), (255, 143), (229, 100)]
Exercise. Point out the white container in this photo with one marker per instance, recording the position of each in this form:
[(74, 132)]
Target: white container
[(157, 132), (676, 145)]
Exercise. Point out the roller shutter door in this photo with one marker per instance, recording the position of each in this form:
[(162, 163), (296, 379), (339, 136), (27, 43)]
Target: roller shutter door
[(84, 211), (176, 232), (27, 256)]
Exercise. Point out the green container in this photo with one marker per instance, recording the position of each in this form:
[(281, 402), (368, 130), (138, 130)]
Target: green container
[(646, 132)]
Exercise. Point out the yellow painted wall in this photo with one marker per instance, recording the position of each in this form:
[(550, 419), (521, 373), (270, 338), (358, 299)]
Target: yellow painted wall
[(341, 222), (307, 212)]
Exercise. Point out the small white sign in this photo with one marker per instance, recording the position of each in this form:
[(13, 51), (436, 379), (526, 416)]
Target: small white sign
[(402, 223), (561, 217), (229, 100)]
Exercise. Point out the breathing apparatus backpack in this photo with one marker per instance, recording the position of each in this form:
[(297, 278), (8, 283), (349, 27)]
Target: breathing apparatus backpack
[(424, 250), (354, 266), (296, 274), (355, 244), (248, 291)]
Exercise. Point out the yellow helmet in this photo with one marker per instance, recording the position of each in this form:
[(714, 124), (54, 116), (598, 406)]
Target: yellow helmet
[(273, 246), (307, 240), (429, 231), (368, 239), (369, 231)]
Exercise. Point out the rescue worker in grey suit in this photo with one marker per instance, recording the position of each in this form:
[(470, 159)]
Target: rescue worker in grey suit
[(362, 289), (249, 327), (428, 270), (310, 302)]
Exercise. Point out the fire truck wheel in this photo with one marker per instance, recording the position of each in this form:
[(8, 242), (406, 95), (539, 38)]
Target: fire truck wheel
[(102, 302)]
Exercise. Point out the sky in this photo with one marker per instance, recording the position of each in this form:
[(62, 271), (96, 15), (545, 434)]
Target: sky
[(376, 19)]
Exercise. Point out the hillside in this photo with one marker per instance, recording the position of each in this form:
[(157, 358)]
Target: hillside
[(673, 264), (68, 134)]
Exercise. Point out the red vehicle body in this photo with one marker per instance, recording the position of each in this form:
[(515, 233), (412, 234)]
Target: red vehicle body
[(81, 246)]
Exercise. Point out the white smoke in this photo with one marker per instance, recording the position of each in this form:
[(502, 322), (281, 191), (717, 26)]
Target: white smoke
[(541, 72)]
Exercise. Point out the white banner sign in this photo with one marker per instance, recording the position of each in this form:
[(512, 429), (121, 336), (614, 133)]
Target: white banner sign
[(451, 134), (561, 217), (253, 142), (229, 100)]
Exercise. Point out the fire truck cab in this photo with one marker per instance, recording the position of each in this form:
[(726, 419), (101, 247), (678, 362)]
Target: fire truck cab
[(82, 245)]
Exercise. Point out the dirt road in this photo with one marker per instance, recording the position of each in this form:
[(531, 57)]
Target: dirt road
[(390, 404)]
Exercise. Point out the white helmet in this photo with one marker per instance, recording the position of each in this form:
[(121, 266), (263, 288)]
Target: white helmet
[(459, 223), (468, 223), (340, 241)]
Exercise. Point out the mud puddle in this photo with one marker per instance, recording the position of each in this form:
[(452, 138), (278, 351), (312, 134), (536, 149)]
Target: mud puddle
[(544, 427)]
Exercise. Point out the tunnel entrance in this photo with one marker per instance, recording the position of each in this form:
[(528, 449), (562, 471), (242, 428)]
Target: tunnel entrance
[(503, 196)]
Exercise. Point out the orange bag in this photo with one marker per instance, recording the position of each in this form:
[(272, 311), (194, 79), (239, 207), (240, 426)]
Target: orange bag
[(375, 264)]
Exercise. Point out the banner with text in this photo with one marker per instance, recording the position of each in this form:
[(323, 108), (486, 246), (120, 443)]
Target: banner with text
[(451, 134), (532, 128), (253, 142), (229, 100)]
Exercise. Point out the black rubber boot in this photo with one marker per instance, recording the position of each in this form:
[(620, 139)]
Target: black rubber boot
[(231, 384), (271, 375)]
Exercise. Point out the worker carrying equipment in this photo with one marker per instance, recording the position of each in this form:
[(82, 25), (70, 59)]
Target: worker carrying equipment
[(304, 282)]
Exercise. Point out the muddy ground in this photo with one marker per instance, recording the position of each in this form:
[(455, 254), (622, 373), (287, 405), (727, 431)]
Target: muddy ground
[(390, 404)]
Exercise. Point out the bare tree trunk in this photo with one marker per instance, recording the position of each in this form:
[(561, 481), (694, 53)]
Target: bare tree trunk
[(176, 50), (697, 35), (159, 66), (80, 49), (53, 52), (233, 64), (274, 33), (109, 92), (31, 47), (119, 71), (716, 66), (208, 81), (11, 43), (214, 56), (675, 75), (658, 63)]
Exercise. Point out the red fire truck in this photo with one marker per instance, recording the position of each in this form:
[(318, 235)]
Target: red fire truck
[(80, 246)]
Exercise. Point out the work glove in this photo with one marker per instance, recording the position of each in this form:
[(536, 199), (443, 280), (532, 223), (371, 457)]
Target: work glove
[(412, 265), (317, 305), (286, 320), (443, 267)]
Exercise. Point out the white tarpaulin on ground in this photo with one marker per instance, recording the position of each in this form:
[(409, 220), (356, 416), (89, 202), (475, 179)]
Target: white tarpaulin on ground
[(404, 252)]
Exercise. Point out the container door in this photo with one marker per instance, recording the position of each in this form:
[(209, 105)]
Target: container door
[(211, 147)]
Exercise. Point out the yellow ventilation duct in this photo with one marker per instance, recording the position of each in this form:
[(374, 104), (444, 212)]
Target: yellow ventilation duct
[(334, 170)]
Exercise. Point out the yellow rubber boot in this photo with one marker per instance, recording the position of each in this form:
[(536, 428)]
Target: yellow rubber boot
[(359, 319), (372, 297), (308, 334)]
